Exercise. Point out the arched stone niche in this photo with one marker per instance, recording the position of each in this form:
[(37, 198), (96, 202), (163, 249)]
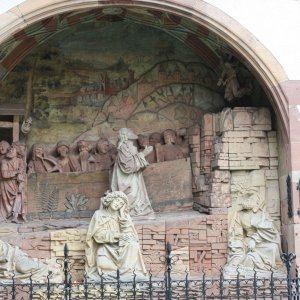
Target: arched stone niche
[(125, 107)]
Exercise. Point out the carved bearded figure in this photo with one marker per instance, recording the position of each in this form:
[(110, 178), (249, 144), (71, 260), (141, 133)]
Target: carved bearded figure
[(112, 241), (127, 173), (12, 186)]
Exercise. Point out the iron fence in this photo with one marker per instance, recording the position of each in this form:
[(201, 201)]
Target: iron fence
[(168, 287)]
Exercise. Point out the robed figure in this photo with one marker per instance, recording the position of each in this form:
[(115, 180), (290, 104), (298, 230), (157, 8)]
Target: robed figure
[(112, 241), (127, 173)]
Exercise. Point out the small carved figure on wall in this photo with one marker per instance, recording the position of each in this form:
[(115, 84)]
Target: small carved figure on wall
[(169, 151), (112, 242), (228, 78), (154, 139), (103, 155), (63, 160), (12, 186), (254, 242), (26, 125), (42, 163), (127, 173), (182, 142), (85, 159)]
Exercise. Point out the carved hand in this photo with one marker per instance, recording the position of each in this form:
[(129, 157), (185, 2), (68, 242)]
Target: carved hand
[(251, 244), (148, 150)]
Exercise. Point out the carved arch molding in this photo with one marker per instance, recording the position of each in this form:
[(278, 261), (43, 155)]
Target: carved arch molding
[(207, 20)]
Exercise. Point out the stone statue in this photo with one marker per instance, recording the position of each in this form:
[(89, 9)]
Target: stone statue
[(42, 163), (154, 139), (14, 262), (103, 155), (64, 161), (4, 145), (26, 125), (127, 173), (112, 241), (228, 78), (85, 159), (254, 242), (169, 151), (182, 142), (12, 186)]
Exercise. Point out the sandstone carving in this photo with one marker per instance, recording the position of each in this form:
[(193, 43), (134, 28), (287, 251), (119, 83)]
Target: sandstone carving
[(228, 78), (41, 162), (112, 241), (169, 151), (12, 186), (104, 155), (76, 202), (127, 173), (84, 161), (14, 262), (64, 161), (154, 139), (26, 125), (254, 242)]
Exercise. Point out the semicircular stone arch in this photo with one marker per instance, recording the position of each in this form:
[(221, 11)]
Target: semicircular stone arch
[(243, 44), (30, 25)]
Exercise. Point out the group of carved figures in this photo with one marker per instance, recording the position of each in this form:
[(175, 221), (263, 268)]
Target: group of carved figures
[(112, 242), (167, 146)]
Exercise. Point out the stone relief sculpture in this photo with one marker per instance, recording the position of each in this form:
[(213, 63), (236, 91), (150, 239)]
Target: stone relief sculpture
[(14, 262), (26, 125), (254, 242), (112, 241), (12, 186), (64, 161), (127, 173), (104, 155), (42, 163), (228, 78), (85, 161), (170, 150)]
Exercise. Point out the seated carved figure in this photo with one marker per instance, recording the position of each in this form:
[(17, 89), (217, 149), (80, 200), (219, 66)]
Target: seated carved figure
[(112, 241), (254, 242), (169, 151), (103, 155), (41, 162)]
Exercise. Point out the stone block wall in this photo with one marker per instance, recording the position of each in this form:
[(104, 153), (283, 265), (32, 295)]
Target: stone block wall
[(199, 242)]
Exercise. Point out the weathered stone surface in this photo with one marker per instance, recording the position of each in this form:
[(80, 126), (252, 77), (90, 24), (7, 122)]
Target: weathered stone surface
[(169, 185)]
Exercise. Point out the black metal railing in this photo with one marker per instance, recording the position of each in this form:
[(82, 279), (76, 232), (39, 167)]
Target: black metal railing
[(167, 287)]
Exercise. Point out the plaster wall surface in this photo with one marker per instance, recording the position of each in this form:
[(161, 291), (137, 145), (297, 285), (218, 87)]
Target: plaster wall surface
[(275, 24)]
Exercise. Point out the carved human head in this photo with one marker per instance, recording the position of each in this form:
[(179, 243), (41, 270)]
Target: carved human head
[(252, 202), (62, 148), (37, 151), (83, 146), (103, 146), (127, 134), (154, 138), (143, 141), (21, 148), (4, 145), (11, 152), (115, 200), (169, 136)]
